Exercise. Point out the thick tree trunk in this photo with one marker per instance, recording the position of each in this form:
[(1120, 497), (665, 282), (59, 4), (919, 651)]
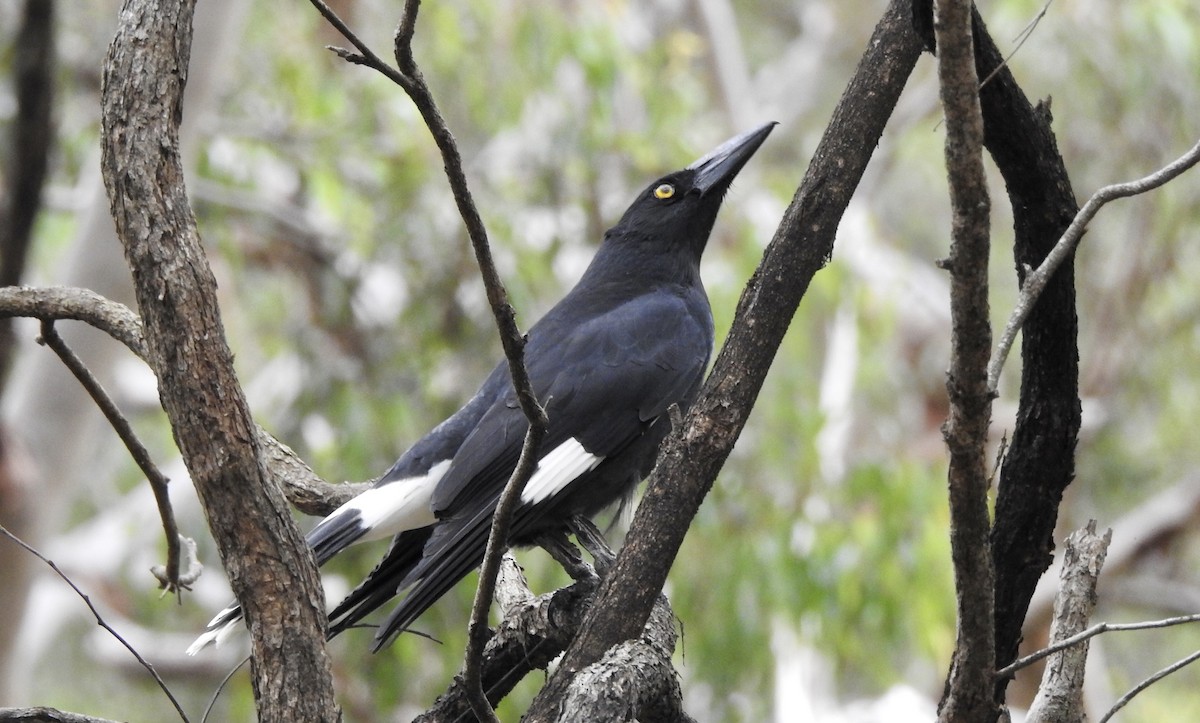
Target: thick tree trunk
[(270, 567)]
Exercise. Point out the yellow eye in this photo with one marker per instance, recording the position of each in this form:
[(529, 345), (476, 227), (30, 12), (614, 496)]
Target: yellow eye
[(664, 191)]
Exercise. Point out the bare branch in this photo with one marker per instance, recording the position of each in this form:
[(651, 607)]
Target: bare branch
[(635, 680), (34, 63), (697, 448), (46, 715), (412, 81), (1123, 700), (532, 633), (1024, 35), (212, 702), (1060, 697), (1092, 632), (497, 543), (99, 619), (365, 55), (402, 41), (51, 303), (158, 481), (1036, 281), (968, 694), (270, 568)]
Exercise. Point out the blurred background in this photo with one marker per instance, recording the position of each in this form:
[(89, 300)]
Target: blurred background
[(816, 583)]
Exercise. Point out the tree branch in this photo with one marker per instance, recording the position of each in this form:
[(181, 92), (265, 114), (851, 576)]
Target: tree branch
[(270, 567), (410, 78), (305, 490), (1060, 696), (532, 633), (693, 455), (1124, 700), (1008, 670), (968, 695), (1036, 281), (52, 303), (34, 63), (1040, 461), (158, 482), (634, 680)]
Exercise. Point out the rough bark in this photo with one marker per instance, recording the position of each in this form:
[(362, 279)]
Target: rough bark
[(1060, 697), (693, 456), (1040, 460), (270, 568), (633, 681), (968, 693), (531, 635)]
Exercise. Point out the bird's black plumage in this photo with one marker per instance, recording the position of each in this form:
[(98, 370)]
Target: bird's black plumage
[(607, 362)]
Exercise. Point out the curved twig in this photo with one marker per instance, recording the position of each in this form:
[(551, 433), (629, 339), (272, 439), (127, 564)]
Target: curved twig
[(1177, 665), (158, 481), (1036, 281), (304, 489)]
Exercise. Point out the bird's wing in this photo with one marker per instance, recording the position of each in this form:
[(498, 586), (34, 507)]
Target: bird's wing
[(381, 585), (603, 383), (397, 504), (400, 500)]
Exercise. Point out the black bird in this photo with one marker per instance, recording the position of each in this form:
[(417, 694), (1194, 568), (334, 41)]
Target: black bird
[(629, 341)]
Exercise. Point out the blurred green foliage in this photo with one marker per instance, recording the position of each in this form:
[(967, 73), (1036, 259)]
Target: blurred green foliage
[(352, 302)]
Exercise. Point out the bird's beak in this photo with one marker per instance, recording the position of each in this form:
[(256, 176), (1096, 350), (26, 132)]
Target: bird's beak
[(718, 167)]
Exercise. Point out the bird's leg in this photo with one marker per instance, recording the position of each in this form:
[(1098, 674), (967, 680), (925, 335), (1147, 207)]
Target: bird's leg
[(556, 543), (592, 539)]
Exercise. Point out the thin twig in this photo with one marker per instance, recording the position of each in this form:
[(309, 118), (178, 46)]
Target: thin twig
[(1149, 682), (158, 482), (1021, 38), (212, 702), (365, 55), (477, 629), (409, 78), (1036, 281), (1092, 632), (402, 40), (99, 620)]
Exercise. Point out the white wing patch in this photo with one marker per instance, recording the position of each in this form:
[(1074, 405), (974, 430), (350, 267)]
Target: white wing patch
[(556, 470), (397, 506), (384, 511)]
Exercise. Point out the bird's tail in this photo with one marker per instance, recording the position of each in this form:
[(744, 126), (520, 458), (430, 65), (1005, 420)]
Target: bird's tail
[(334, 534), (450, 555), (383, 582)]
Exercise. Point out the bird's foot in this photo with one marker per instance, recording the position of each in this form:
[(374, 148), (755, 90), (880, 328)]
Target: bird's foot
[(592, 539), (566, 554)]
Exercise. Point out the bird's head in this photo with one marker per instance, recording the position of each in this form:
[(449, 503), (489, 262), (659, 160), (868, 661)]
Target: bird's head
[(679, 209)]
